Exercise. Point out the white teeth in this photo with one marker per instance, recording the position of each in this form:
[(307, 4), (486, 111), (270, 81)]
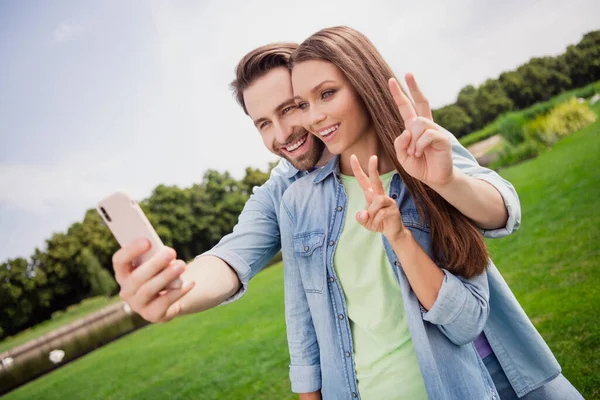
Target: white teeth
[(329, 130), (297, 144)]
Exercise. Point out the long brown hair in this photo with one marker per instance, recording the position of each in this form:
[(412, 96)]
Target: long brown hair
[(456, 242)]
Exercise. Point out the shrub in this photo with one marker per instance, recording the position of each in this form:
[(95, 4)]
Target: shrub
[(514, 154), (569, 117), (511, 128), (537, 130)]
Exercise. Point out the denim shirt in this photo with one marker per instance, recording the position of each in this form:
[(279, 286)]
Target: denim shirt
[(311, 218), (256, 239)]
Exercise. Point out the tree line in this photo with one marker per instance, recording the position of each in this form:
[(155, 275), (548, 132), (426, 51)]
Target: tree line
[(537, 80)]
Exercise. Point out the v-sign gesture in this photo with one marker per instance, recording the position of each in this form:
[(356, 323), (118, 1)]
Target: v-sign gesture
[(423, 149), (382, 214)]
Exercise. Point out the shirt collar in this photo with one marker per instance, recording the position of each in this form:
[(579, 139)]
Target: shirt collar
[(333, 166)]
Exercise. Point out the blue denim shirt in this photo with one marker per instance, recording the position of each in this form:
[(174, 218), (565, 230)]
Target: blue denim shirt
[(256, 239), (319, 337)]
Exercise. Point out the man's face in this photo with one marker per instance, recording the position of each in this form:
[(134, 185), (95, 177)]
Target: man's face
[(270, 104)]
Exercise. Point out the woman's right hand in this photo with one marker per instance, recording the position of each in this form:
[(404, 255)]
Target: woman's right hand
[(382, 213)]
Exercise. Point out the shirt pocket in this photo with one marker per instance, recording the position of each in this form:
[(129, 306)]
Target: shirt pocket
[(308, 251)]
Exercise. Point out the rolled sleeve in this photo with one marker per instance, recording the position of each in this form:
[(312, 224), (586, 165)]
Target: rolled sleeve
[(511, 202), (305, 378), (255, 238), (464, 160), (461, 308)]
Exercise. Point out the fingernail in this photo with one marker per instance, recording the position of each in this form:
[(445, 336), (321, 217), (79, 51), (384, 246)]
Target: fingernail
[(168, 256), (142, 244), (187, 285), (178, 267)]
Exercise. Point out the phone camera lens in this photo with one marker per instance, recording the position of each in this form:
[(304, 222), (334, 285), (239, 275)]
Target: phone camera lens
[(105, 214)]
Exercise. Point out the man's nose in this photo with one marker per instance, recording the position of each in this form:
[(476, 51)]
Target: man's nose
[(282, 132)]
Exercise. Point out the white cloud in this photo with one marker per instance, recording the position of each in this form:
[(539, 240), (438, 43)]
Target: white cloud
[(65, 32)]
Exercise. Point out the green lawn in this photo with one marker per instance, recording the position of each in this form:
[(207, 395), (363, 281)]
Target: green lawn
[(59, 319), (239, 351)]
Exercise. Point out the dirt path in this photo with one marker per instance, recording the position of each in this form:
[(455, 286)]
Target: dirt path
[(480, 148)]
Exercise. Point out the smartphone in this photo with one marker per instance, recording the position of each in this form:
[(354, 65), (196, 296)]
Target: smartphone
[(127, 222)]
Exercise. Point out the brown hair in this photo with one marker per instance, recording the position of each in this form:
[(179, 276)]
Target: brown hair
[(257, 63), (457, 244)]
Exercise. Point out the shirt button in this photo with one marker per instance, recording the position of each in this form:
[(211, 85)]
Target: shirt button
[(347, 354), (306, 248), (331, 242), (340, 208), (354, 394), (394, 196), (341, 316), (396, 263), (331, 279)]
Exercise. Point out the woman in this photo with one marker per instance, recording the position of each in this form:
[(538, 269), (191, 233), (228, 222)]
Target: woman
[(352, 329)]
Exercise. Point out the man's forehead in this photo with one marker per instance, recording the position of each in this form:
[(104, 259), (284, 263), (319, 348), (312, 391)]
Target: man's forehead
[(268, 92)]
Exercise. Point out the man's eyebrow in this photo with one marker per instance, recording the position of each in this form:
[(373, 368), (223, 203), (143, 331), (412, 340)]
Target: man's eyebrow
[(285, 103), (316, 88)]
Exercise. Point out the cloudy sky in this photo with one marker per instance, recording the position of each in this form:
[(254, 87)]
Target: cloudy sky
[(100, 96)]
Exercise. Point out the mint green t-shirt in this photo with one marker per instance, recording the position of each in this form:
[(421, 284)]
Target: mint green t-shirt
[(385, 361)]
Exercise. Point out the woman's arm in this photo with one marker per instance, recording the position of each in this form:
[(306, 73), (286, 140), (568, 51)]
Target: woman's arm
[(459, 307)]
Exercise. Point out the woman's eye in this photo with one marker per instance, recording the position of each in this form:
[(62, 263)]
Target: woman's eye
[(327, 94), (302, 106)]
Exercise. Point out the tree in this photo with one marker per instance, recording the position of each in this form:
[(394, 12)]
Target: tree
[(491, 101), (467, 101), (454, 119), (584, 59)]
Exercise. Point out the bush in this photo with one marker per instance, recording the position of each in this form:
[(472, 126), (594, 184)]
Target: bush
[(569, 117), (511, 128), (537, 130), (514, 154)]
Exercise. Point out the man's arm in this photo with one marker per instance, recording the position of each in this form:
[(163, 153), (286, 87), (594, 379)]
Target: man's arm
[(217, 276), (481, 194)]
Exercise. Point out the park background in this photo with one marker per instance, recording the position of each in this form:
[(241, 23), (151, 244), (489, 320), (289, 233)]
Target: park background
[(96, 97)]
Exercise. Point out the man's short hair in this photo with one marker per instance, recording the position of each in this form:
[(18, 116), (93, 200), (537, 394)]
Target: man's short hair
[(257, 63)]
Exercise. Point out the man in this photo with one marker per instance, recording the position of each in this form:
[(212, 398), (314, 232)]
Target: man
[(263, 88)]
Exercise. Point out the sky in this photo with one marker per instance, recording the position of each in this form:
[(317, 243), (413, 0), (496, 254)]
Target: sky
[(104, 96)]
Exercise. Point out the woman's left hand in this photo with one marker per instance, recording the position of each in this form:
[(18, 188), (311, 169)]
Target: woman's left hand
[(423, 149), (382, 214)]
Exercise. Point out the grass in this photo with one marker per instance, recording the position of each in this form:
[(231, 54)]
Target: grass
[(239, 351), (551, 263), (59, 319)]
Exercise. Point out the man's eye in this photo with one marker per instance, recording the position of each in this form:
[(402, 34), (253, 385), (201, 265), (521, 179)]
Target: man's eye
[(288, 109), (327, 94), (302, 106), (263, 124)]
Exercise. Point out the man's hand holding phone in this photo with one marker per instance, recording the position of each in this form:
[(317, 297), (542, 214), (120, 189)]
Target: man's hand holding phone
[(143, 286)]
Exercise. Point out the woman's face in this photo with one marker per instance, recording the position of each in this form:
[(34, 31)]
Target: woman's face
[(330, 107)]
